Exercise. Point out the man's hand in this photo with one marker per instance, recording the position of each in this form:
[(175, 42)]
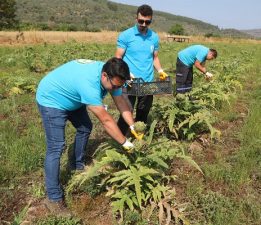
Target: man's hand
[(129, 82), (208, 75), (162, 75), (138, 136), (128, 146)]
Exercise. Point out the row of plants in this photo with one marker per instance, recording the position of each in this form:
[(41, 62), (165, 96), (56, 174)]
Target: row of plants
[(136, 180), (187, 116), (29, 63)]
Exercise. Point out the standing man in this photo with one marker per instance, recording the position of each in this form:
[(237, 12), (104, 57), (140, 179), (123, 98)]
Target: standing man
[(193, 55), (63, 95), (138, 46)]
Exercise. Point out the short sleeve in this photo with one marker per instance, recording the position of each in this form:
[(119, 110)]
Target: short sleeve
[(121, 41), (156, 43)]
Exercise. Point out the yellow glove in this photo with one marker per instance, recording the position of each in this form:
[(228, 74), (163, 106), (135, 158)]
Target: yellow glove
[(138, 136), (128, 146), (162, 75)]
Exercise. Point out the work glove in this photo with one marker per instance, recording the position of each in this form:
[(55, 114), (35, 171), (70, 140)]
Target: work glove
[(208, 75), (137, 135), (162, 75), (128, 146)]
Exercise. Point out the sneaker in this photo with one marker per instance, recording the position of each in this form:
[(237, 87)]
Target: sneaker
[(57, 208)]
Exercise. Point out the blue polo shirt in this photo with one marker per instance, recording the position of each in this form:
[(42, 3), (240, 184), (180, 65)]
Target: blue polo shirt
[(190, 54), (73, 85), (139, 51)]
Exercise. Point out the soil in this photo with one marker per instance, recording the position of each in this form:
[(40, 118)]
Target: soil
[(93, 210), (2, 117)]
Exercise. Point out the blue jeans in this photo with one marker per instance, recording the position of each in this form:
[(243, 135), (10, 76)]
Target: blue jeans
[(54, 121)]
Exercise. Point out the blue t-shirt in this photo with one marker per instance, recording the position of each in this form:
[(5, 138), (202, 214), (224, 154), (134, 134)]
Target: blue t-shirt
[(73, 85), (139, 51), (190, 54)]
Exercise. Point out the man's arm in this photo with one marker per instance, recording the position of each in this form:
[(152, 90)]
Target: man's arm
[(124, 109), (108, 123), (156, 61), (200, 66), (157, 65), (119, 53)]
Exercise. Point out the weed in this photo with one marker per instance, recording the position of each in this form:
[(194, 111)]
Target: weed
[(58, 221), (37, 190), (18, 219)]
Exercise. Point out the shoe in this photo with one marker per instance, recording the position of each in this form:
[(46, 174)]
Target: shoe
[(57, 208)]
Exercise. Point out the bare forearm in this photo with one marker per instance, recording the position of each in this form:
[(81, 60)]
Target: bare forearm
[(113, 130), (200, 67), (124, 108), (156, 63), (128, 117), (108, 123)]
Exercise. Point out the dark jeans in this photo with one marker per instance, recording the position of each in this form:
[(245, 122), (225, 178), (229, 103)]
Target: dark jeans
[(184, 77), (142, 110), (54, 121)]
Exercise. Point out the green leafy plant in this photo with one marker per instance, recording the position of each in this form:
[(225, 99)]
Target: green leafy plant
[(17, 85), (140, 127), (58, 221), (184, 118), (18, 219), (134, 180)]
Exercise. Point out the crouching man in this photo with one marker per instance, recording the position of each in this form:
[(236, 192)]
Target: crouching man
[(69, 92)]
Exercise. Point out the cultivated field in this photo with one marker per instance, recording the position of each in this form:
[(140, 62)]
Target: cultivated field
[(199, 162)]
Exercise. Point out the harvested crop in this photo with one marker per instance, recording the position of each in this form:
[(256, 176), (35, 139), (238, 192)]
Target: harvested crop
[(139, 127)]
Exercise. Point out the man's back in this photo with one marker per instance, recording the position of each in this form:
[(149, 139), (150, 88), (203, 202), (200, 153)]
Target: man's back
[(192, 53)]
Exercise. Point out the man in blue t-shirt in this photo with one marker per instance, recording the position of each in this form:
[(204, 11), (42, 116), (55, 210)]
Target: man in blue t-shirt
[(63, 95), (194, 55), (138, 46)]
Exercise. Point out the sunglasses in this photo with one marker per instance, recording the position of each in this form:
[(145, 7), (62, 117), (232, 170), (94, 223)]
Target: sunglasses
[(114, 86), (147, 22)]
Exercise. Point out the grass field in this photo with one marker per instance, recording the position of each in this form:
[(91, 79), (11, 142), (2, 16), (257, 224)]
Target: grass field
[(227, 193)]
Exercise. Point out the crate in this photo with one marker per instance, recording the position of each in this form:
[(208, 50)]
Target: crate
[(141, 88)]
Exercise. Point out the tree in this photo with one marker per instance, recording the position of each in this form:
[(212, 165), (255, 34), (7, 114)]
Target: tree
[(177, 29), (7, 14)]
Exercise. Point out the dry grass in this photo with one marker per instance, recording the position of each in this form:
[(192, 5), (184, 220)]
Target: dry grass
[(36, 37), (224, 40)]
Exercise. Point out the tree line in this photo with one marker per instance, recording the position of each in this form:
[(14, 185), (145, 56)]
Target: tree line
[(7, 14)]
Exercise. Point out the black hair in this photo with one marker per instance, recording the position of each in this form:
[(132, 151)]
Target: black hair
[(145, 10), (214, 52), (117, 67)]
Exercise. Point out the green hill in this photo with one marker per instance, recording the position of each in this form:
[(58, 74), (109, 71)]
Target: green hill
[(96, 15)]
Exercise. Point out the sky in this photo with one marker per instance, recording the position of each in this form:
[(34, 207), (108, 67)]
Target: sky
[(237, 14)]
